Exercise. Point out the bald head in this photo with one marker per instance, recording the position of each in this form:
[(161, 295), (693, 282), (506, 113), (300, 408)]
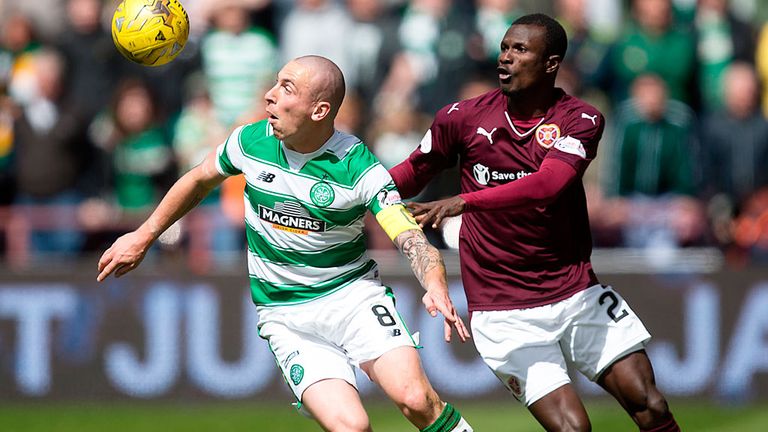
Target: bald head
[(327, 80)]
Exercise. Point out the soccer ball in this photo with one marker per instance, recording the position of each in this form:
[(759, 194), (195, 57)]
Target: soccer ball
[(150, 32)]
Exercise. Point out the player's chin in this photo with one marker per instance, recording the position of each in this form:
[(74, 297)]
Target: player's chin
[(508, 89), (277, 133)]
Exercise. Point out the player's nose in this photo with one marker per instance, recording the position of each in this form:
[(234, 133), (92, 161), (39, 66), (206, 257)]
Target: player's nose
[(269, 96)]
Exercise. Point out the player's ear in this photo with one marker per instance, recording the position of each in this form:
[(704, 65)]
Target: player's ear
[(321, 110), (553, 63)]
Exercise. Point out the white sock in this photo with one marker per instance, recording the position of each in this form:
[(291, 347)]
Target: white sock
[(462, 426)]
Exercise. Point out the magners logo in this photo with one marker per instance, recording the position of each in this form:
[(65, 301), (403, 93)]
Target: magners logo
[(291, 217)]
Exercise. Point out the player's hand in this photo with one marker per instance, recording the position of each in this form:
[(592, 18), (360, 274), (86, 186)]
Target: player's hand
[(124, 255), (437, 300), (436, 211)]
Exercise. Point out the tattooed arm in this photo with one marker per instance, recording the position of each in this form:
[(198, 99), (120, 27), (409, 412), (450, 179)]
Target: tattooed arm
[(424, 258), (427, 264), (127, 252)]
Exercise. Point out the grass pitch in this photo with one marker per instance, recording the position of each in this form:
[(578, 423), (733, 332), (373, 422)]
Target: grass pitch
[(273, 417)]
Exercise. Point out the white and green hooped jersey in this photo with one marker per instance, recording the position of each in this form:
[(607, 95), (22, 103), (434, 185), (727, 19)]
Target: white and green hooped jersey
[(304, 212)]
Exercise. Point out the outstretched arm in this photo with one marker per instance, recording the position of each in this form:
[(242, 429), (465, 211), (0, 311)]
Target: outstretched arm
[(427, 265), (535, 190), (127, 252)]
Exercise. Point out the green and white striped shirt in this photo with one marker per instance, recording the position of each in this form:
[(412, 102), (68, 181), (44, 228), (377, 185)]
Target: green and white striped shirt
[(304, 212)]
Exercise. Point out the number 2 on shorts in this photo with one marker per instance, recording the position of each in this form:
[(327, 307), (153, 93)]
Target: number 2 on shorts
[(612, 306), (383, 315)]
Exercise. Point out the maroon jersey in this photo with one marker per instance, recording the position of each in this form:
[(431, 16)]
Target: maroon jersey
[(514, 258)]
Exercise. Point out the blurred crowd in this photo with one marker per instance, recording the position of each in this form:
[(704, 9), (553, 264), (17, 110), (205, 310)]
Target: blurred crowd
[(89, 142)]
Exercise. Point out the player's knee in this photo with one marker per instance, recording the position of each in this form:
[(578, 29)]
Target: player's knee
[(653, 411), (575, 423), (415, 400), (351, 422), (657, 406)]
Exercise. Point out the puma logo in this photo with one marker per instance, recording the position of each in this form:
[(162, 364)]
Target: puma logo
[(454, 107), (590, 117), (485, 133)]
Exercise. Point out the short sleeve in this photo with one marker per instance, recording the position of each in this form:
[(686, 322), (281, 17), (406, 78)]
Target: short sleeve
[(378, 190), (229, 155)]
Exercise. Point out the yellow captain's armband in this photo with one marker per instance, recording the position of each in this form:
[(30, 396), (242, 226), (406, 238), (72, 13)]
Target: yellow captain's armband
[(395, 220)]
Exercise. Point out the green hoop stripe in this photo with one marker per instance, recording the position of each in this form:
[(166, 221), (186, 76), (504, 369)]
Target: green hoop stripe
[(264, 292), (334, 256), (448, 419)]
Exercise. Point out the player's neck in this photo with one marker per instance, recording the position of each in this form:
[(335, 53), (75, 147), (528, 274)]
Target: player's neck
[(310, 139), (530, 103)]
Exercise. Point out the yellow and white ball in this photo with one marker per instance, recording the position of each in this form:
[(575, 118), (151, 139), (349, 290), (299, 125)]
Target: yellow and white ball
[(150, 32)]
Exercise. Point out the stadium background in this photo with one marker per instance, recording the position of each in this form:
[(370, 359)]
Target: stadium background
[(173, 346)]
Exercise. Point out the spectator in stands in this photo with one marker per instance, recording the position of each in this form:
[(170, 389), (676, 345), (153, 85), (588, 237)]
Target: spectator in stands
[(652, 43), (320, 27), (393, 135), (91, 56), (652, 168), (51, 155), (370, 45), (434, 60), (735, 149), (239, 61), (349, 119), (722, 38), (587, 46), (492, 20), (142, 162), (196, 132), (17, 42), (46, 16), (654, 142)]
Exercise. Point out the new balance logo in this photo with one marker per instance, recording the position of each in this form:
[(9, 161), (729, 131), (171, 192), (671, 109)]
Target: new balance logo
[(590, 117), (396, 332), (485, 133), (266, 177)]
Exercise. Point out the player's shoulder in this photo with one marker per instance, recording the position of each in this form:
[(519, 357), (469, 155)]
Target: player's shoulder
[(254, 136), (471, 108), (347, 147), (349, 159), (572, 108)]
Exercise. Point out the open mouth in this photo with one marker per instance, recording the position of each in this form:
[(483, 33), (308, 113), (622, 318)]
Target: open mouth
[(504, 75)]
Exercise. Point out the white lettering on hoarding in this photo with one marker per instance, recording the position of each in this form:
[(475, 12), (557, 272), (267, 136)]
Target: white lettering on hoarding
[(34, 307), (158, 371), (182, 335), (694, 369), (748, 351), (243, 378)]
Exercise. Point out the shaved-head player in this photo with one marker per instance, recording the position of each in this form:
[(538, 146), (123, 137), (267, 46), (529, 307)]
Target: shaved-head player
[(322, 308)]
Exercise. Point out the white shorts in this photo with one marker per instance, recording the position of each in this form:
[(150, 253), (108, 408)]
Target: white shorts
[(326, 338), (529, 350)]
